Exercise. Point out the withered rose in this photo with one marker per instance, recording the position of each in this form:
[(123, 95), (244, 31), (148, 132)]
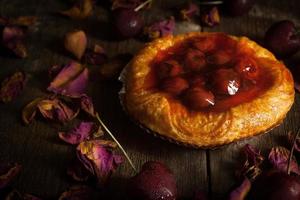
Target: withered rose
[(160, 28), (29, 111), (87, 105)]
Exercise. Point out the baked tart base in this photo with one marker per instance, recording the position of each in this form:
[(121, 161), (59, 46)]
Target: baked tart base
[(255, 102)]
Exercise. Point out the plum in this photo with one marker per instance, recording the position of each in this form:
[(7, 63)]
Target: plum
[(281, 38), (155, 181)]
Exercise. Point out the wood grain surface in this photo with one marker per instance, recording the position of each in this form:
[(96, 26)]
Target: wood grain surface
[(45, 158)]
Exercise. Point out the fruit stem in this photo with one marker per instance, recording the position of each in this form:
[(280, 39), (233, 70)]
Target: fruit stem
[(116, 141), (142, 5), (207, 3), (292, 152)]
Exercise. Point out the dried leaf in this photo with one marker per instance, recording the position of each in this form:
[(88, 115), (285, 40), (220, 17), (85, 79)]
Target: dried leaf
[(95, 56), (29, 111), (87, 105), (8, 172), (76, 42), (160, 28), (188, 11), (97, 156), (55, 109), (210, 17), (78, 193), (71, 81), (81, 10), (78, 134), (24, 21), (13, 39), (78, 172), (241, 192), (279, 158), (12, 86)]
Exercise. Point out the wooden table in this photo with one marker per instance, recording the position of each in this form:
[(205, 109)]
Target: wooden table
[(44, 157)]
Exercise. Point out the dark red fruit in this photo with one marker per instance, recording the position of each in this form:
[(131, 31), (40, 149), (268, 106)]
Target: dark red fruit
[(169, 68), (126, 23), (204, 44), (154, 182), (219, 58), (281, 38), (238, 7), (194, 60), (276, 185), (198, 98), (197, 80), (174, 85), (247, 68), (225, 81)]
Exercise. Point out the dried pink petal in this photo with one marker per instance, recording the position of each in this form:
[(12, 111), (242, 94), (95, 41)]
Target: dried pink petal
[(29, 111), (55, 109), (12, 86), (240, 192), (87, 105), (8, 172), (78, 134), (160, 28), (97, 156), (77, 193), (71, 81), (78, 172), (96, 56), (13, 39), (251, 167), (211, 17), (76, 42), (188, 11), (81, 10), (279, 158)]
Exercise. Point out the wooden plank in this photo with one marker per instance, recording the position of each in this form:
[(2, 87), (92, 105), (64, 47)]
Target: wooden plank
[(225, 160), (37, 147)]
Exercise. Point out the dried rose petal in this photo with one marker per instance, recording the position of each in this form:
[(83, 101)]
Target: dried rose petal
[(253, 161), (211, 17), (29, 111), (113, 67), (97, 156), (188, 11), (55, 109), (78, 134), (13, 39), (82, 9), (96, 56), (76, 42), (78, 172), (160, 29), (279, 158), (8, 172), (87, 105), (240, 192), (71, 81), (25, 21), (12, 86), (128, 4), (78, 193)]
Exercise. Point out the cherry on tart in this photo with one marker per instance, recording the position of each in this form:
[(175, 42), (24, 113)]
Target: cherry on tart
[(207, 89)]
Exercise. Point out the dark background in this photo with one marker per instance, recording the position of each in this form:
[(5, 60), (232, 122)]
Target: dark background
[(44, 157)]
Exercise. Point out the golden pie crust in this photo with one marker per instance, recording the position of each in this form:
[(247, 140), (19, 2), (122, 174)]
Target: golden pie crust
[(172, 120)]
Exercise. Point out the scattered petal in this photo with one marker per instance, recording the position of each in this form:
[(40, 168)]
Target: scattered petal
[(251, 167), (81, 10), (160, 29), (128, 4), (113, 67), (279, 158), (188, 11), (78, 134), (76, 42), (12, 86), (240, 192), (29, 111), (24, 21), (13, 39), (8, 172), (55, 109), (78, 172), (97, 156), (71, 81), (210, 17), (96, 56), (87, 105), (78, 193)]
